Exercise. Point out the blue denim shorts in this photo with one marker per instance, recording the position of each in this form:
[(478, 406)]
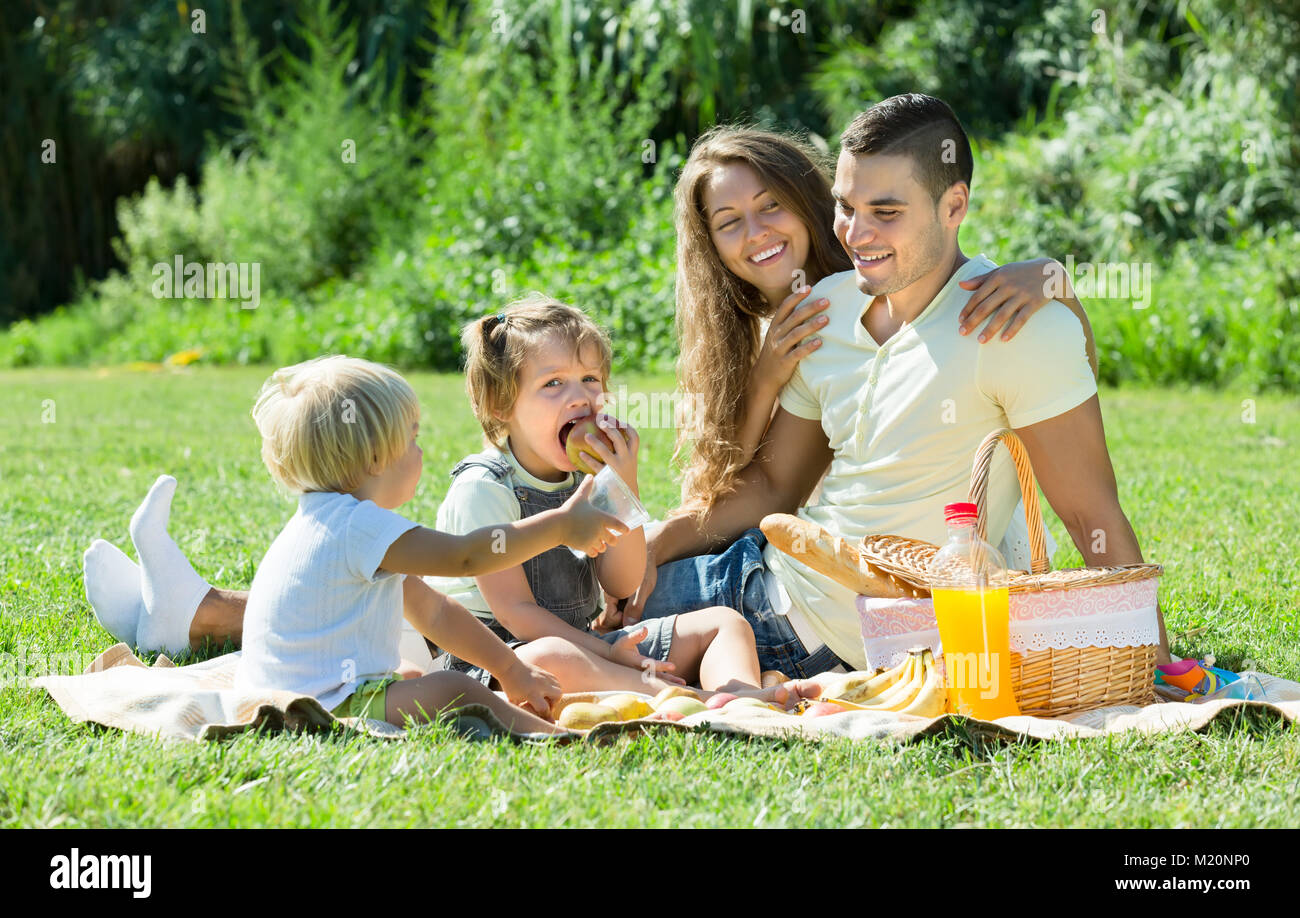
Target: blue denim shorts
[(734, 578)]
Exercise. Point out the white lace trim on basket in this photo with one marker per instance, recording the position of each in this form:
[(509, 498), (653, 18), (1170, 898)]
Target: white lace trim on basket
[(1118, 629)]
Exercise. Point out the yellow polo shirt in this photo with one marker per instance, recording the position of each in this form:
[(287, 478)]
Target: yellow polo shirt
[(904, 419)]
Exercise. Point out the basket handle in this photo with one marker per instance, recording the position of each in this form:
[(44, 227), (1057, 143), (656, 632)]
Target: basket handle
[(979, 486)]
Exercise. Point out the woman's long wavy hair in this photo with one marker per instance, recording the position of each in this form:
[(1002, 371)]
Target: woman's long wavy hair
[(718, 314)]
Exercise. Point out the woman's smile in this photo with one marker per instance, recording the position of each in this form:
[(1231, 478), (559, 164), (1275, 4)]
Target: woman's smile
[(769, 255)]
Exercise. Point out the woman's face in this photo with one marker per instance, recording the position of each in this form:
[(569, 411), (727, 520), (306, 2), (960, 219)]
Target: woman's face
[(758, 239)]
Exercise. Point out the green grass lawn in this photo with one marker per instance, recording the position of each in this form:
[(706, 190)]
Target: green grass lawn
[(1211, 496)]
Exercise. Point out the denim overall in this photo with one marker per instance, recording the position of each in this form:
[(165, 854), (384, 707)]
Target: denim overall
[(562, 583)]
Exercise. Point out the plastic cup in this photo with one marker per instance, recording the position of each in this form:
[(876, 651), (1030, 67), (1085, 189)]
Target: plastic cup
[(1247, 688), (612, 495)]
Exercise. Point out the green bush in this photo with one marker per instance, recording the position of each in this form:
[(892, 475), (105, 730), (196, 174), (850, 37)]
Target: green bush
[(1219, 315), (1138, 173), (990, 59), (728, 59), (1165, 140), (526, 178), (1190, 175), (534, 179), (327, 173)]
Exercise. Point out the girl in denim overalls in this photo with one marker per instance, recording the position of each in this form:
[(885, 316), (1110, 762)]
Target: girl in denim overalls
[(532, 372)]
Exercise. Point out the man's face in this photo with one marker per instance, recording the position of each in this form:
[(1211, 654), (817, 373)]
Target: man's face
[(888, 223)]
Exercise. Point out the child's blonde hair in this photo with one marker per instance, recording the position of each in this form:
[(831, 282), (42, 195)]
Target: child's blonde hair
[(496, 347), (325, 422)]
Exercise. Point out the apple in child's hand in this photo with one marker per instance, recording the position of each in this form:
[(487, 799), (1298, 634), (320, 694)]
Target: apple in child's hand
[(574, 434), (718, 700), (575, 444)]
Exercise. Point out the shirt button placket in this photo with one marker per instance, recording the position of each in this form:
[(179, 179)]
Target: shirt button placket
[(873, 377), (864, 405)]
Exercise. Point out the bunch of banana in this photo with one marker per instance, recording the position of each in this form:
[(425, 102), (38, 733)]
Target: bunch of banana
[(914, 686)]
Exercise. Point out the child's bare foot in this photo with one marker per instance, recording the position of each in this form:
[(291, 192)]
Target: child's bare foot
[(787, 694), (790, 693)]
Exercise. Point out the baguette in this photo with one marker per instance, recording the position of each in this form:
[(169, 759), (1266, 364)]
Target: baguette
[(833, 556)]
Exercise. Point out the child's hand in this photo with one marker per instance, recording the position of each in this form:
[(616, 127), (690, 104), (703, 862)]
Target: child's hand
[(610, 618), (529, 687), (623, 651), (623, 458), (586, 528)]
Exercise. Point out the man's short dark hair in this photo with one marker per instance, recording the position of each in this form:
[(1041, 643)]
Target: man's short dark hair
[(921, 128)]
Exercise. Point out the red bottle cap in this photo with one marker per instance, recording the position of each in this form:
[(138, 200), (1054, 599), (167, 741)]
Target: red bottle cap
[(958, 513)]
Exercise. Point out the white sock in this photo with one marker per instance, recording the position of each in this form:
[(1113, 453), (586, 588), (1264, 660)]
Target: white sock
[(172, 588), (114, 590)]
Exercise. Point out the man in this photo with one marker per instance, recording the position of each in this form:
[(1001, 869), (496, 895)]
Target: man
[(894, 403)]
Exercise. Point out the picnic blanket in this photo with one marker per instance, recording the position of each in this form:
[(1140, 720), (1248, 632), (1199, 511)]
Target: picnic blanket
[(199, 702)]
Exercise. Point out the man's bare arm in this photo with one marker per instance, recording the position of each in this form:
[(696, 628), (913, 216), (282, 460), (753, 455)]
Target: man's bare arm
[(1073, 467), (783, 473)]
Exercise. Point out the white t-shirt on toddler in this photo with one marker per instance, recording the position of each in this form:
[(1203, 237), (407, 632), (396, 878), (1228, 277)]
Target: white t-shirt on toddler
[(321, 615)]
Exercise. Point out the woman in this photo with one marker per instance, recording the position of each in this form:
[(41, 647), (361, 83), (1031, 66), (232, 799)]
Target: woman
[(742, 332)]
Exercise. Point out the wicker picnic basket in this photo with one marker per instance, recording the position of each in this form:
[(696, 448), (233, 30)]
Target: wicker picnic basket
[(1056, 681)]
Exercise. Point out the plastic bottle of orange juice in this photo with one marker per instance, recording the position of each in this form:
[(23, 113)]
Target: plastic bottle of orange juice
[(968, 581)]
